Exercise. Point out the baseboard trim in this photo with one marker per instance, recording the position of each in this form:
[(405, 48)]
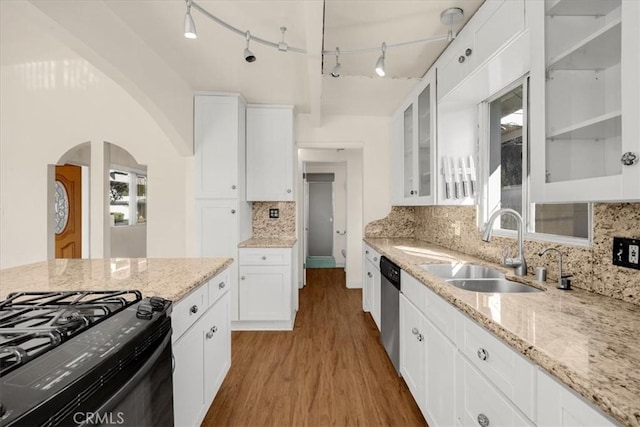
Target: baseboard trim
[(354, 285), (263, 325)]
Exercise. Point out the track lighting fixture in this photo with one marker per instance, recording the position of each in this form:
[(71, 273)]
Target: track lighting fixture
[(380, 64), (248, 55), (451, 16), (448, 17), (189, 25), (337, 68)]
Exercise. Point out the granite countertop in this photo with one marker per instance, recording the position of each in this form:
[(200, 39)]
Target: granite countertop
[(587, 341), (170, 278), (268, 242)]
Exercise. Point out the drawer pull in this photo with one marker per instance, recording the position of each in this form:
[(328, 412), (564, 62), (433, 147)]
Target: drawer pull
[(375, 258), (415, 331), (264, 258), (242, 277), (461, 59), (483, 355), (221, 285), (193, 309), (369, 274), (289, 190), (366, 252), (419, 337), (233, 187), (233, 211), (214, 329), (209, 335), (483, 420)]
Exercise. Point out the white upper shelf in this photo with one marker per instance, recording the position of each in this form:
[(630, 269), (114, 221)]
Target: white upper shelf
[(598, 51), (582, 7), (601, 127)]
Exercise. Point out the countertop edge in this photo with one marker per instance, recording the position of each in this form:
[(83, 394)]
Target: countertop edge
[(565, 374), (257, 242), (202, 280)]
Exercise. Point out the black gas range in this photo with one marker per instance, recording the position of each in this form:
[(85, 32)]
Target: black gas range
[(85, 358)]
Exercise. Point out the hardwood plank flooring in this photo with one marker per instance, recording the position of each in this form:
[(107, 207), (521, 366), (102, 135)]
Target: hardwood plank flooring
[(330, 370)]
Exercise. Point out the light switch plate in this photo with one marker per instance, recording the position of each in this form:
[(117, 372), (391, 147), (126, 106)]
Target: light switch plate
[(626, 252)]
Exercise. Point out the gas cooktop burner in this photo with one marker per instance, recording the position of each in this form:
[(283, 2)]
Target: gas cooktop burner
[(32, 323)]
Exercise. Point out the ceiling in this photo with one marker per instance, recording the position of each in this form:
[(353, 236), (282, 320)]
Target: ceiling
[(140, 44)]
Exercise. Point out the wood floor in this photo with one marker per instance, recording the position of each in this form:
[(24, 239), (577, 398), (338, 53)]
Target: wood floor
[(330, 370)]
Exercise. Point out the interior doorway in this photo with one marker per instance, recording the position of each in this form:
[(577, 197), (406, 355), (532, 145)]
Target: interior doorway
[(320, 220)]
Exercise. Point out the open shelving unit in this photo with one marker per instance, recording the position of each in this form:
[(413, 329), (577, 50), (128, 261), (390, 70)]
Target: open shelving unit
[(600, 50)]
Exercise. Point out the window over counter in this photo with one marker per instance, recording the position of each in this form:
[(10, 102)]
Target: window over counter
[(506, 167), (127, 197)]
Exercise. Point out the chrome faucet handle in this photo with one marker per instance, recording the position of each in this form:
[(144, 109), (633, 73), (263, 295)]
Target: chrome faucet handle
[(565, 282)]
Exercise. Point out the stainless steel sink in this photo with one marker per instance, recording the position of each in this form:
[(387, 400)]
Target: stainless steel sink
[(476, 278), (462, 271), (491, 285)]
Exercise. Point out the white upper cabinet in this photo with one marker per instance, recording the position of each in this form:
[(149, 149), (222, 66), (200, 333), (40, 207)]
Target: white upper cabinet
[(491, 29), (414, 138), (270, 153), (585, 120), (219, 146)]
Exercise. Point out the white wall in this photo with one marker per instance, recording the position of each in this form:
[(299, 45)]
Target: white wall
[(339, 169), (52, 100)]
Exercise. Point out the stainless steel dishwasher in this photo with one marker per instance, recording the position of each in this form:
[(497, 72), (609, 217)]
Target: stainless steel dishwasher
[(390, 310)]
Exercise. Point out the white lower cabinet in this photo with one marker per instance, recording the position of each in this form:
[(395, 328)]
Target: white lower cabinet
[(560, 407), (267, 289), (412, 350), (478, 402), (202, 352), (371, 293)]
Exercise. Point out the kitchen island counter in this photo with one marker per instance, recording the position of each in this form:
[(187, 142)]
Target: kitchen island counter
[(170, 278)]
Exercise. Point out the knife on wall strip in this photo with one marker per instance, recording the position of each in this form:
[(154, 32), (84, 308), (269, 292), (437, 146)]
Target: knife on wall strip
[(465, 177), (456, 179), (446, 171), (472, 175)]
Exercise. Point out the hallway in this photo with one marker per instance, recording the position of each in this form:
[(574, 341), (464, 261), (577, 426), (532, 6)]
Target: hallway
[(330, 370)]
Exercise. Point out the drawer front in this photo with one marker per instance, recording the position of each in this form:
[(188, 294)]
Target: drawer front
[(252, 256), (413, 290), (441, 313), (218, 286), (479, 403), (188, 310), (507, 370), (372, 255)]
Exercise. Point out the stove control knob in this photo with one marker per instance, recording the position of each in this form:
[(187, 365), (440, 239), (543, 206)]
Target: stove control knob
[(3, 410), (157, 303), (145, 312)]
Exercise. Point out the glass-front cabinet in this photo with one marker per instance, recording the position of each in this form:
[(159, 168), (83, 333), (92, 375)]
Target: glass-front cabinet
[(585, 119), (414, 146)]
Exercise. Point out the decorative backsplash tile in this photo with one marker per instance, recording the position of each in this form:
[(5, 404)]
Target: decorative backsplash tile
[(591, 266), (265, 227)]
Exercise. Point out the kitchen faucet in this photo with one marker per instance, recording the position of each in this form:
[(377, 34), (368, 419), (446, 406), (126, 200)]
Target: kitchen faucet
[(563, 280), (518, 263)]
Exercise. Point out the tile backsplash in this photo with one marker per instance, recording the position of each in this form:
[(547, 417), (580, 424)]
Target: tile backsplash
[(590, 266), (265, 227)]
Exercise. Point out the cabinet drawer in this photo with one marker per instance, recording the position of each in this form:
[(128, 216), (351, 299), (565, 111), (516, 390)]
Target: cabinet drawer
[(372, 255), (507, 370), (253, 256), (188, 310), (441, 313), (218, 286), (479, 403)]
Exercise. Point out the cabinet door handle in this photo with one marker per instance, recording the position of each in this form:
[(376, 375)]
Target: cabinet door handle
[(483, 354), (375, 258), (483, 420), (419, 337), (193, 309), (629, 158), (468, 52), (214, 329), (242, 277), (289, 190), (209, 335), (221, 285), (369, 274), (366, 252), (414, 331), (461, 59), (412, 192), (233, 187), (233, 211), (264, 258)]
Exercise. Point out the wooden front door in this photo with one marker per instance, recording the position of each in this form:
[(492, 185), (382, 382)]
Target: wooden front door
[(68, 210)]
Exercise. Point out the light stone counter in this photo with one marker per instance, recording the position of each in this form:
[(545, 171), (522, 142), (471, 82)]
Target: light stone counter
[(588, 341), (170, 278), (268, 242)]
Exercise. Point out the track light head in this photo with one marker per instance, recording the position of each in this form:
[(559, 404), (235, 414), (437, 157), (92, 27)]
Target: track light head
[(248, 55), (189, 24), (337, 68), (380, 70)]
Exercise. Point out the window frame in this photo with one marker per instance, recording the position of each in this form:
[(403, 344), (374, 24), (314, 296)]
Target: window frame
[(484, 142), (133, 175)]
